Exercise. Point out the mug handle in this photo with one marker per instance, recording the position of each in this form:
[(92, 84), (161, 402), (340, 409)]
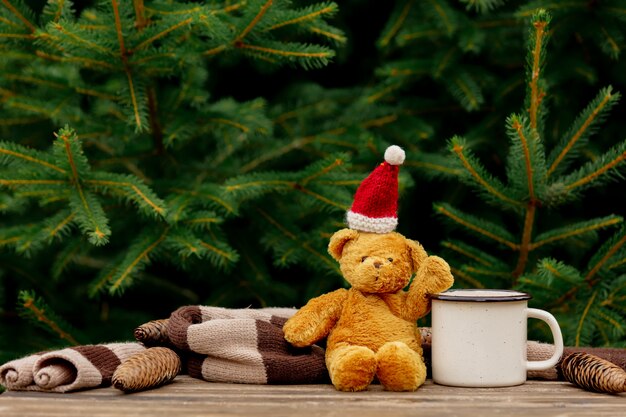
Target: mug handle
[(556, 334)]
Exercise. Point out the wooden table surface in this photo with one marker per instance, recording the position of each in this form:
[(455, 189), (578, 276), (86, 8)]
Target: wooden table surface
[(190, 397)]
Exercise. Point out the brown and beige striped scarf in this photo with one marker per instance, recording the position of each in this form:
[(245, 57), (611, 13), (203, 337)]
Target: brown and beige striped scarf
[(70, 369), (242, 345)]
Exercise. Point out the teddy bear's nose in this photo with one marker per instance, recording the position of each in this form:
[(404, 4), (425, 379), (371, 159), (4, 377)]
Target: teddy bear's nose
[(378, 264)]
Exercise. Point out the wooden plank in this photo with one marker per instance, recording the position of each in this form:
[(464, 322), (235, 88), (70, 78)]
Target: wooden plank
[(191, 397)]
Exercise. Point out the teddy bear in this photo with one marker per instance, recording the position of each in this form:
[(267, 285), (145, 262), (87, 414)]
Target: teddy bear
[(371, 327)]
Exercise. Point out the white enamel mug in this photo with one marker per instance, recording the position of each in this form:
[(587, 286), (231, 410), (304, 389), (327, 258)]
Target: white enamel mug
[(479, 338)]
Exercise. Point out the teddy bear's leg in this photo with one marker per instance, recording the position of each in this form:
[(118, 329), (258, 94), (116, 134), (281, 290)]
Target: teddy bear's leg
[(351, 368), (400, 368)]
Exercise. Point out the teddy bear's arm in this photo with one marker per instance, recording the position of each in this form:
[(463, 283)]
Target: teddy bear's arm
[(314, 321), (433, 276)]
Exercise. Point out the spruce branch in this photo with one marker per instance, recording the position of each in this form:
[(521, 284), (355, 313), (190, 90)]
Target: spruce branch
[(253, 22), (89, 212), (583, 328), (595, 173), (574, 229), (395, 23), (584, 126), (13, 150), (306, 14), (539, 33), (137, 256), (476, 175), (604, 254), (131, 189), (36, 310), (294, 238), (483, 227), (19, 15)]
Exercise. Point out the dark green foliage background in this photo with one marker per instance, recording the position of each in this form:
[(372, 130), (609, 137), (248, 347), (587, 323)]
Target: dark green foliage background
[(412, 73)]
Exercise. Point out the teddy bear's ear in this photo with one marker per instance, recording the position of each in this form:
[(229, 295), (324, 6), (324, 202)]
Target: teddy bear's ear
[(417, 253), (339, 240)]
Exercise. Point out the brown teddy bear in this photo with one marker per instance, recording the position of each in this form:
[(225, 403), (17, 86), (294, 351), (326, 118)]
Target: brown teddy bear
[(371, 327)]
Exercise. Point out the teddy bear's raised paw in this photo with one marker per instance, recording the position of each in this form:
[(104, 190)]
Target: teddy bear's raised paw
[(436, 274)]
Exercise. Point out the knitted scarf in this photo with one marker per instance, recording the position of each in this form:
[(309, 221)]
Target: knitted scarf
[(70, 369)]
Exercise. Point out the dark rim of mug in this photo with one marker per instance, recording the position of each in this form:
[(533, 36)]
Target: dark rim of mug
[(513, 296)]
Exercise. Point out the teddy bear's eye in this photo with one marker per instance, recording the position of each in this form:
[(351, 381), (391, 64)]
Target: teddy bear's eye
[(390, 259), (363, 259)]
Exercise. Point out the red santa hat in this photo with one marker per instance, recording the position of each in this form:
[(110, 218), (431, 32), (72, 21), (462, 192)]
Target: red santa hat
[(375, 206)]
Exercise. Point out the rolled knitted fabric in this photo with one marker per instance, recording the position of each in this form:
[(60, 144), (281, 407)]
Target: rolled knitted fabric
[(17, 375), (69, 369), (81, 367), (243, 346)]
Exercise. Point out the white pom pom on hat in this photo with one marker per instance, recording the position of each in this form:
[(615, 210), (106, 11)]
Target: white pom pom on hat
[(394, 155), (375, 205)]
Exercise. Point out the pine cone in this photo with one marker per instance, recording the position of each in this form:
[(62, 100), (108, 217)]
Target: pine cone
[(148, 369), (593, 373), (153, 333)]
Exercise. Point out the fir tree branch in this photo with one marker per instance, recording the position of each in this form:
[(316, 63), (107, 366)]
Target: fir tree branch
[(140, 14), (384, 91), (458, 150), (220, 201), (124, 57), (155, 124), (59, 12), (89, 44), (574, 230), (17, 35), (320, 197), (473, 282), (583, 317), (56, 229), (617, 264), (120, 280), (525, 245), (253, 22), (273, 51), (611, 251), (331, 8), (136, 190), (239, 126), (223, 254), (299, 241), (5, 148), (517, 126), (159, 35), (445, 19), (87, 62), (536, 96), (32, 182), (465, 252), (435, 167), (334, 36), (584, 127), (480, 230), (20, 16), (92, 211), (40, 314), (336, 163), (8, 22), (397, 24), (118, 28), (597, 173)]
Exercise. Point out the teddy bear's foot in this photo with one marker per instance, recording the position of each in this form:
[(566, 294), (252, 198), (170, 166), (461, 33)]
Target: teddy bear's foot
[(400, 368), (351, 368)]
